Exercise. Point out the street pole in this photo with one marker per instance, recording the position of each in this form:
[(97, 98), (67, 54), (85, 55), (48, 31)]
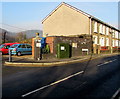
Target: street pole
[(10, 58), (38, 52)]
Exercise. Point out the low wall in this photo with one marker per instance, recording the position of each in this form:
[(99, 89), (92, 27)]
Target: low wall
[(77, 44)]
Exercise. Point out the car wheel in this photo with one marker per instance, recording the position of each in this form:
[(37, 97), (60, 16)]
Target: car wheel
[(19, 54)]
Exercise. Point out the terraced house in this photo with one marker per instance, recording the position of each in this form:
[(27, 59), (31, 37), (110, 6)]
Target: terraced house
[(67, 20)]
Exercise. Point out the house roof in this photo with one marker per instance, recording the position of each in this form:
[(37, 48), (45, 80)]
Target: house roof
[(80, 11)]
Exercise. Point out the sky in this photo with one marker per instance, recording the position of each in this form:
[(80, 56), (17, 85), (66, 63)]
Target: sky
[(28, 15)]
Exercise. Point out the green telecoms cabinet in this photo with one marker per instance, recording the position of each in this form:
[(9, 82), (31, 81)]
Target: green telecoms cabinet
[(63, 50)]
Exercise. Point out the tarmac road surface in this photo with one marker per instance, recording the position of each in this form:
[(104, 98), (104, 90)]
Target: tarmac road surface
[(90, 79)]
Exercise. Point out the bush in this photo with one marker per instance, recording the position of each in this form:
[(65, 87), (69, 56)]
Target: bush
[(46, 49)]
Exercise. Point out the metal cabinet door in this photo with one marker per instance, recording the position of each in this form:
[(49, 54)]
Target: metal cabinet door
[(63, 50)]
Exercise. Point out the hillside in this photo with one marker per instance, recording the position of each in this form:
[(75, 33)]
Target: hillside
[(32, 33), (11, 36), (6, 36)]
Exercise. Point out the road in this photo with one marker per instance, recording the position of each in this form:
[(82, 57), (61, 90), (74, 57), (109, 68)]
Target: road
[(93, 78)]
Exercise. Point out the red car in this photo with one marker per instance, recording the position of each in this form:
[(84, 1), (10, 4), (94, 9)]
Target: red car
[(4, 47)]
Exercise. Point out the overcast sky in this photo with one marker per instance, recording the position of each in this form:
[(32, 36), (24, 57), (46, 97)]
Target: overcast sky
[(28, 15)]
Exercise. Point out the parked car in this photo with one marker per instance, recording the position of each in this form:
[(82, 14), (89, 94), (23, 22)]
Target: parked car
[(4, 47), (20, 49)]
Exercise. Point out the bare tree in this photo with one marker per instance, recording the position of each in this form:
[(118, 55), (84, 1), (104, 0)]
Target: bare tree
[(4, 37), (20, 37)]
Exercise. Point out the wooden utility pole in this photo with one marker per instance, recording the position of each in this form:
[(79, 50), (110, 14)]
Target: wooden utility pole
[(4, 36)]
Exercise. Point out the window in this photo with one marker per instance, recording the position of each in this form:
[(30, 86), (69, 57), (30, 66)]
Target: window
[(107, 41), (113, 33), (102, 41), (95, 27), (20, 46), (116, 43), (113, 43), (107, 31), (116, 34), (100, 28), (103, 29), (119, 43), (28, 46), (2, 46), (14, 46), (95, 39), (7, 46), (23, 46), (110, 30)]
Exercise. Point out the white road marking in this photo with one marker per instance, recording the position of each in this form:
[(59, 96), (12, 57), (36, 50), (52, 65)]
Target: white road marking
[(115, 94), (56, 82), (107, 62)]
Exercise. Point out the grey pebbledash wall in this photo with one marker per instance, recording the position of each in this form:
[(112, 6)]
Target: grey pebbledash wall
[(80, 45)]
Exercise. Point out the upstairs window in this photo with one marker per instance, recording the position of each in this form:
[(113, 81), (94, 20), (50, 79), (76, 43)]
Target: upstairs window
[(113, 34), (101, 28), (107, 31), (116, 34), (95, 27)]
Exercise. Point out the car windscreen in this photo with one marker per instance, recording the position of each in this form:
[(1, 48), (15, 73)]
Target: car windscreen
[(14, 46), (1, 46)]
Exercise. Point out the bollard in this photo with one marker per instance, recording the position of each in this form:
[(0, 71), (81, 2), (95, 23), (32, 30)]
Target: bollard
[(10, 58)]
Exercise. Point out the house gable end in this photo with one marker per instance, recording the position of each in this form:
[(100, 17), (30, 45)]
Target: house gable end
[(67, 5), (66, 21)]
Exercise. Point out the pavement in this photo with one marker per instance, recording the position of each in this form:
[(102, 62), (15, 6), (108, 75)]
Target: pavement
[(28, 61)]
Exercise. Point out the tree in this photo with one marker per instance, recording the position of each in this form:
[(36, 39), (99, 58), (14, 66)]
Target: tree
[(4, 37), (20, 36)]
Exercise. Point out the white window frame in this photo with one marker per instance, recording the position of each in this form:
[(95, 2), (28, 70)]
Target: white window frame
[(116, 42), (107, 41), (113, 34), (116, 34), (107, 30), (119, 43), (103, 32), (95, 39), (102, 41), (113, 43), (95, 27), (101, 28)]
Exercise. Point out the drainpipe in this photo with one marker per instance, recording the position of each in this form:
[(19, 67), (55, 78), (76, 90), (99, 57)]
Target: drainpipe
[(90, 31), (90, 26)]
